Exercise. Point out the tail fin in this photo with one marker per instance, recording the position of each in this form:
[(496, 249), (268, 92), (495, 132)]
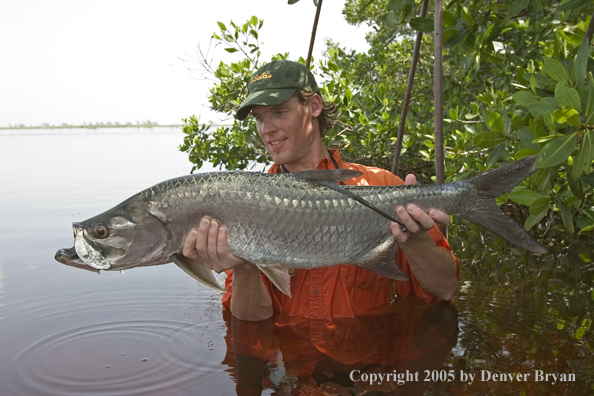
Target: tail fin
[(488, 215)]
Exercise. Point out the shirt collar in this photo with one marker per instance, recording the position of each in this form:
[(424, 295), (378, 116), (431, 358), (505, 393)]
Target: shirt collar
[(325, 163)]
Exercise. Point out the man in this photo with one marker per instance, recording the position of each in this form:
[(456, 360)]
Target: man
[(291, 118)]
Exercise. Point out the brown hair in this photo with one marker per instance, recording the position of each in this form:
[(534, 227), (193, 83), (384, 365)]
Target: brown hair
[(326, 118)]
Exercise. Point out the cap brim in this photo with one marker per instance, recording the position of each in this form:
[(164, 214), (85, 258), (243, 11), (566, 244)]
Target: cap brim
[(265, 97)]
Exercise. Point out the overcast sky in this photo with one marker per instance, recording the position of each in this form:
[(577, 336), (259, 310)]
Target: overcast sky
[(83, 61)]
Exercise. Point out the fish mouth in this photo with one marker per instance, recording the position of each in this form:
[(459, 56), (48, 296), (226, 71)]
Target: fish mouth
[(85, 250), (68, 256)]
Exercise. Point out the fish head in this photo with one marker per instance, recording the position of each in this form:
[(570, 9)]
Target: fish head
[(126, 236)]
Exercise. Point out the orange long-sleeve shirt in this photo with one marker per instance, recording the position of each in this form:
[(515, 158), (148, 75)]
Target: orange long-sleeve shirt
[(345, 290)]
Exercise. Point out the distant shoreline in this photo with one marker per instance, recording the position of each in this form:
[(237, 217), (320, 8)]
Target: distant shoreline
[(92, 126)]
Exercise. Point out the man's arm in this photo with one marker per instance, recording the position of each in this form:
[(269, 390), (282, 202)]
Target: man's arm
[(250, 299), (433, 267)]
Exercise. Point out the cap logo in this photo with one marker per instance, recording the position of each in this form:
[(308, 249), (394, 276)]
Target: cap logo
[(259, 77)]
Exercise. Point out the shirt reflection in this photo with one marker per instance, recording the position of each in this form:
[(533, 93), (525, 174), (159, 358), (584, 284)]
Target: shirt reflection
[(390, 351)]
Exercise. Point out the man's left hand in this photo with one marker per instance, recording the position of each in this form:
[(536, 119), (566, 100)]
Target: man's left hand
[(414, 219)]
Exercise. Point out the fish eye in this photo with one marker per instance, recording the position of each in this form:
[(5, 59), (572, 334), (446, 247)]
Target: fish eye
[(100, 231)]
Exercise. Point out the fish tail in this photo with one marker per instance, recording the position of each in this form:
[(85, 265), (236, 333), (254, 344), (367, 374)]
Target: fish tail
[(488, 215)]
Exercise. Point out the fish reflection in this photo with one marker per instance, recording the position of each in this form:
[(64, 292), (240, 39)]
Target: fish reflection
[(342, 356)]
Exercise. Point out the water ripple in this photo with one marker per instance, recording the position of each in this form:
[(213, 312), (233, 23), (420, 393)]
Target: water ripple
[(119, 357)]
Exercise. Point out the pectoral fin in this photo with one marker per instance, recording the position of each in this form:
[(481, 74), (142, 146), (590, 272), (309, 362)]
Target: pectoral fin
[(197, 271), (279, 276)]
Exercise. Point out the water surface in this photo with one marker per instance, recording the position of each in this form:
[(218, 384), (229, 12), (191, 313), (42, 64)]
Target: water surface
[(65, 331), (156, 331)]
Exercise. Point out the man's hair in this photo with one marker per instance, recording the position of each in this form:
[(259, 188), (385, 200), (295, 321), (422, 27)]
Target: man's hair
[(326, 119)]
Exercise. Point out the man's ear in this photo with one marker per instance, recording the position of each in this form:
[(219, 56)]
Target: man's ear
[(315, 103)]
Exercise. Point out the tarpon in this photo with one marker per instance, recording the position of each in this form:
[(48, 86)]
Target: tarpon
[(280, 221)]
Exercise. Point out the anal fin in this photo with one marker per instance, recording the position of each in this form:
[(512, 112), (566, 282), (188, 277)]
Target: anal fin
[(197, 270)]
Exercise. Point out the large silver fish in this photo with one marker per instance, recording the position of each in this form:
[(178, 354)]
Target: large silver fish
[(299, 220)]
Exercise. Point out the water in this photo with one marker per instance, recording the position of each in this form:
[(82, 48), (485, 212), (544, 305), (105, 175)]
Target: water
[(65, 331), (156, 331)]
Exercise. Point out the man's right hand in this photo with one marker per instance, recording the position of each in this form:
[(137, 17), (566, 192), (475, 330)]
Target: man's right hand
[(208, 243), (250, 299)]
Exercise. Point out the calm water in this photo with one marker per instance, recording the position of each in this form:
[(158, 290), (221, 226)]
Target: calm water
[(156, 331)]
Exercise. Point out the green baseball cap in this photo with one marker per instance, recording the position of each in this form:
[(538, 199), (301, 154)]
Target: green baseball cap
[(274, 83)]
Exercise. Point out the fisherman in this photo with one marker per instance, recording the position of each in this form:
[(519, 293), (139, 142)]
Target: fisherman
[(291, 119)]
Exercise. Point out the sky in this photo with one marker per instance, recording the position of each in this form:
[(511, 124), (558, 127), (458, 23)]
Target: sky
[(89, 61)]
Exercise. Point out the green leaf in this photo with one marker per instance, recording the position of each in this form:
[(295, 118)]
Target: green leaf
[(231, 50), (495, 154), (525, 98), (556, 151), (222, 26), (348, 94), (395, 4), (526, 139), (581, 62), (549, 120), (576, 187), (425, 25), (567, 97), (572, 5), (533, 84), (583, 222), (543, 176), (527, 152), (587, 99), (495, 122), (488, 139), (584, 157), (539, 205), (569, 116), (453, 114), (566, 217), (588, 179), (541, 80), (542, 108), (524, 197), (517, 6), (532, 220), (491, 57), (520, 75), (391, 19), (292, 1), (555, 70)]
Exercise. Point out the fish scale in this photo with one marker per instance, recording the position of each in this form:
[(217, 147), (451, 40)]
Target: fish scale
[(275, 222), (300, 220)]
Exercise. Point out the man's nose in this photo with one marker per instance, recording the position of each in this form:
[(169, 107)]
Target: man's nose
[(267, 125)]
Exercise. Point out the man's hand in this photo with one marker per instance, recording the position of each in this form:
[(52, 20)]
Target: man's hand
[(208, 243), (416, 220)]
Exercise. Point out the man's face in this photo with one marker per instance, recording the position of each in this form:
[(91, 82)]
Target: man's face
[(288, 130)]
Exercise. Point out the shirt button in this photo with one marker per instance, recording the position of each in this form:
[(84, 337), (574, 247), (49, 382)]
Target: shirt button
[(315, 292)]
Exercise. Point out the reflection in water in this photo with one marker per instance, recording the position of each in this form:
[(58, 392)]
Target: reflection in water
[(543, 336), (395, 350)]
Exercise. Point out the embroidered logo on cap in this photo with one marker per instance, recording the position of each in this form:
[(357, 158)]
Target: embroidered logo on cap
[(259, 77)]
